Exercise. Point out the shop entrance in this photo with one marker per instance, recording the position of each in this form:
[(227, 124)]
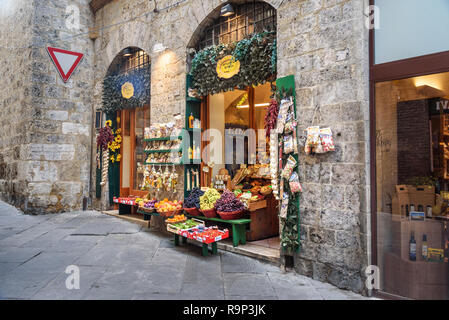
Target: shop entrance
[(132, 124), (238, 117)]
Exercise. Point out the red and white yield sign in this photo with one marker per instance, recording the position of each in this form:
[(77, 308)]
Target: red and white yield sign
[(65, 61)]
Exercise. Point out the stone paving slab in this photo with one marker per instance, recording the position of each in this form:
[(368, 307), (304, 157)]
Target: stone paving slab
[(121, 260)]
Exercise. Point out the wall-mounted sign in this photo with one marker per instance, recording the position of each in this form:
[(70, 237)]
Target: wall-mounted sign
[(127, 90), (228, 67), (65, 61)]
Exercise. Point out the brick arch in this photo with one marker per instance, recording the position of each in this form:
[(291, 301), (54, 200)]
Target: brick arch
[(207, 19)]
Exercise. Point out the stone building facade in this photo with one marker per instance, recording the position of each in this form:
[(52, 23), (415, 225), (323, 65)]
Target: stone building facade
[(45, 135), (44, 164)]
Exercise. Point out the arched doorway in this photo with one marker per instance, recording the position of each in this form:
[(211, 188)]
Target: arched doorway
[(235, 99), (126, 104)]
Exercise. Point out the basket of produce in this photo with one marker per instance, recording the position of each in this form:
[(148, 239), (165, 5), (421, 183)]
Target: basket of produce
[(231, 215), (207, 203), (167, 208), (193, 211), (176, 219), (266, 190), (192, 202), (147, 205), (229, 207), (211, 213), (184, 226)]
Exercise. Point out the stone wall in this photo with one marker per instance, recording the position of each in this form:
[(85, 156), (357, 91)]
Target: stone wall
[(15, 69), (49, 171), (325, 45)]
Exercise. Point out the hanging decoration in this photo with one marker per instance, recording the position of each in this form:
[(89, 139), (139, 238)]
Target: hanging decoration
[(104, 138), (115, 145), (127, 90), (251, 61), (282, 124)]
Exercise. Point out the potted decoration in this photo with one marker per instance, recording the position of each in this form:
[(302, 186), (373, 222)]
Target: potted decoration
[(207, 203), (229, 207), (192, 202)]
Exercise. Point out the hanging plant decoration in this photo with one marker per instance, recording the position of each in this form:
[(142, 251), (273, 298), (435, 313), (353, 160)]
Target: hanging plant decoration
[(256, 55), (114, 146), (127, 90), (105, 139)]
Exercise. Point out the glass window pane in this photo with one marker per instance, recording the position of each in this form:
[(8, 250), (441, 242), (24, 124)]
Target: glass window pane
[(412, 164), (410, 28)]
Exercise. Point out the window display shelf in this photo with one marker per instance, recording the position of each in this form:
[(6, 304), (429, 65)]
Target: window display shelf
[(163, 139), (162, 164), (163, 151)]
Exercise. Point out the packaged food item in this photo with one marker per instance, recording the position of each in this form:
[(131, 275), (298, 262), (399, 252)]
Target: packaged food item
[(282, 116), (284, 206), (288, 144), (313, 139), (288, 169), (290, 123), (295, 185), (326, 140)]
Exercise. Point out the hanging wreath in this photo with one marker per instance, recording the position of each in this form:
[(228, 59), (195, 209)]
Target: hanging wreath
[(126, 91), (256, 54)]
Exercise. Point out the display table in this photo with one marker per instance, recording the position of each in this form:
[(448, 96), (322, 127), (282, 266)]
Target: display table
[(199, 236), (238, 228)]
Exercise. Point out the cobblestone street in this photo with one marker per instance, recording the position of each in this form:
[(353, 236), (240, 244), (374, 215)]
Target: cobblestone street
[(121, 260)]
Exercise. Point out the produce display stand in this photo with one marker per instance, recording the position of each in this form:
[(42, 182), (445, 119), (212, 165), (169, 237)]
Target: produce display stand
[(238, 228), (190, 234), (124, 206), (147, 214)]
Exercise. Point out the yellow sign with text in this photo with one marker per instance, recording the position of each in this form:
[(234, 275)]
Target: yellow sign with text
[(228, 67), (127, 90)]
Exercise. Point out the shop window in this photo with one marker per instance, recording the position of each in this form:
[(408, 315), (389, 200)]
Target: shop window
[(412, 164), (250, 17), (411, 28), (232, 114)]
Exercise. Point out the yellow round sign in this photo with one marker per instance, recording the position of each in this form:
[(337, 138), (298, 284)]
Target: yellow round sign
[(127, 90), (228, 67)]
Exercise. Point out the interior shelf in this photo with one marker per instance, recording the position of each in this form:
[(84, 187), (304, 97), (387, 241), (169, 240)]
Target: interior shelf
[(162, 139)]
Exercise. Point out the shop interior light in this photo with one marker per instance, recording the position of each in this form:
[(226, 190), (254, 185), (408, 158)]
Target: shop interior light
[(127, 52), (256, 105), (227, 10), (158, 47)]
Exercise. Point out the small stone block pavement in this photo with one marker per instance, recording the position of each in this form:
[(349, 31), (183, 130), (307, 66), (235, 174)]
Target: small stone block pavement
[(121, 260)]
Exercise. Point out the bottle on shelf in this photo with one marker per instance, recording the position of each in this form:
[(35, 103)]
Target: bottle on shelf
[(191, 119), (424, 247), (198, 153), (412, 247), (429, 212)]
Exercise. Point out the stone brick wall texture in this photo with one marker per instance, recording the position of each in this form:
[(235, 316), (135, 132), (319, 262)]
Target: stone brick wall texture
[(413, 140), (45, 142), (322, 42)]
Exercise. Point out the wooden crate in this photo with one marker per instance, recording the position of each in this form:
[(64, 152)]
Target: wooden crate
[(407, 195)]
